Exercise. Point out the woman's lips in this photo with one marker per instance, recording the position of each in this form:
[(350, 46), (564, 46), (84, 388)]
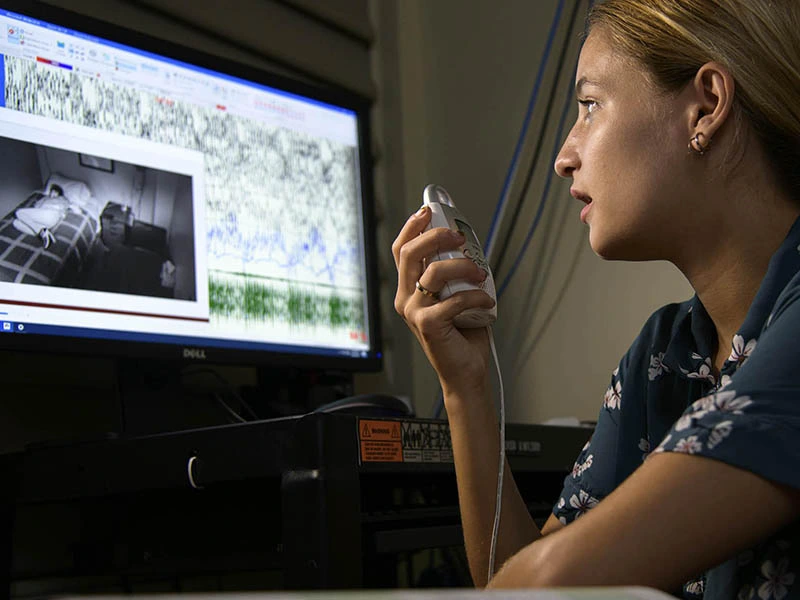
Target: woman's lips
[(585, 198), (585, 211)]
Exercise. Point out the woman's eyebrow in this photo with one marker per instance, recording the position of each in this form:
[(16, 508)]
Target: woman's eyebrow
[(583, 81)]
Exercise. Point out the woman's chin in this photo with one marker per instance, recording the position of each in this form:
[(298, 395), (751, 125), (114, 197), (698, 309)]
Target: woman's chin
[(600, 244), (626, 253), (614, 248)]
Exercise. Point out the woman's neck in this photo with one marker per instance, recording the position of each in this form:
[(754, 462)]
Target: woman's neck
[(728, 271)]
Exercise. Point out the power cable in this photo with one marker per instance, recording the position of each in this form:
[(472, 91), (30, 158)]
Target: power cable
[(540, 139), (226, 406), (512, 169), (545, 192), (226, 383)]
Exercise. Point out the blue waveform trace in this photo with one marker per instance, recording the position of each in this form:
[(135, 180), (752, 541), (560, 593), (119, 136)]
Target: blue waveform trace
[(271, 249)]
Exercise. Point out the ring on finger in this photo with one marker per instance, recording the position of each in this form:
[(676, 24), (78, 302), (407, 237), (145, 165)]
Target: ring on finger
[(427, 292)]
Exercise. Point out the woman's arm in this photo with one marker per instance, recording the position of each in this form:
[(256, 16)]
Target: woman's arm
[(461, 360), (674, 518), (476, 444)]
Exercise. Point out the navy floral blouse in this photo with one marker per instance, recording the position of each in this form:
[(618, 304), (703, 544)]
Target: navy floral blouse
[(664, 397)]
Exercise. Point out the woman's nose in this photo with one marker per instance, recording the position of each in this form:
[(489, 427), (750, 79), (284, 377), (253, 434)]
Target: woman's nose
[(567, 160)]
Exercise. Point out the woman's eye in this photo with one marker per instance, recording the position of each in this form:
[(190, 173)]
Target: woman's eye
[(588, 105)]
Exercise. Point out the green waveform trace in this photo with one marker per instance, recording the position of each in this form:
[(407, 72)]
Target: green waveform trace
[(252, 300)]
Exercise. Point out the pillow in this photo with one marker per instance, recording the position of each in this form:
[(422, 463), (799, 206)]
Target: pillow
[(74, 190), (78, 193)]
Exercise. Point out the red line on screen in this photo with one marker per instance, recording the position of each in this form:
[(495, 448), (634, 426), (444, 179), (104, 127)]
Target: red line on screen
[(104, 310)]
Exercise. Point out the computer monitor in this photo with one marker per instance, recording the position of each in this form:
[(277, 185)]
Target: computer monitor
[(159, 202)]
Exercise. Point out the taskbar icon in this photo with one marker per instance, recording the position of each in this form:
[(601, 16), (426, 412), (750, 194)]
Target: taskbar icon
[(11, 327)]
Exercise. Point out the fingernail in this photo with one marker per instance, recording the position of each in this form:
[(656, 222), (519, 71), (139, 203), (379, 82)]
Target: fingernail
[(422, 210), (459, 235), (483, 275)]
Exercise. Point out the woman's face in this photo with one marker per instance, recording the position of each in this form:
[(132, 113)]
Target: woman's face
[(627, 156)]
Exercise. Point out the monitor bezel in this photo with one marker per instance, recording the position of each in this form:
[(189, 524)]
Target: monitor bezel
[(323, 92)]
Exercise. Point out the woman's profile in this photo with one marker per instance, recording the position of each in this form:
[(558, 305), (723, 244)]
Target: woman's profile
[(684, 149)]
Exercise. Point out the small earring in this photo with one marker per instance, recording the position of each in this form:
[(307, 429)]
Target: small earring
[(696, 145)]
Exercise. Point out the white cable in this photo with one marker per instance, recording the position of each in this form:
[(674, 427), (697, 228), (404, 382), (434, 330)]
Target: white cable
[(499, 501), (232, 412), (190, 473)]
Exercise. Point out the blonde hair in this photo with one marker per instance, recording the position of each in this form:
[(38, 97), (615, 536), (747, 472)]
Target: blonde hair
[(757, 40)]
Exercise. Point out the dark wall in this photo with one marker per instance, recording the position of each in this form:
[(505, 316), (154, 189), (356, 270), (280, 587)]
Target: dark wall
[(181, 241), (19, 173)]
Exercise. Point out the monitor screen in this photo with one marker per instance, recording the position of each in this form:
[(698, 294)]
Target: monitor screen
[(160, 202)]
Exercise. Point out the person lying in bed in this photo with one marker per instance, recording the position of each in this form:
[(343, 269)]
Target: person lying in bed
[(46, 212)]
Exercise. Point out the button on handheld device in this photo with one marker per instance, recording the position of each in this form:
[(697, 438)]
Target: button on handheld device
[(445, 214)]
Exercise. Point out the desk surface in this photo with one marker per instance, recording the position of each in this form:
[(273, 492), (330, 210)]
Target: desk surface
[(589, 593)]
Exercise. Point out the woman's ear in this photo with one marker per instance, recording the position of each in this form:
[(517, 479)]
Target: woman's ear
[(713, 91)]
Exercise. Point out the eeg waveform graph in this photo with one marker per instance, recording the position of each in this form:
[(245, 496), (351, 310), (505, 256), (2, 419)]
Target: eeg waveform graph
[(281, 206)]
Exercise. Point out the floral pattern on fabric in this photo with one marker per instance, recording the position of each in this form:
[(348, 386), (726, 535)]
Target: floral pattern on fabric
[(773, 576), (613, 397), (644, 446), (703, 369), (695, 588), (741, 351), (582, 502), (746, 415), (777, 580), (657, 367), (579, 468), (723, 401)]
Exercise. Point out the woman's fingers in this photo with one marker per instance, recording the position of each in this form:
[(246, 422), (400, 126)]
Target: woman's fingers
[(413, 254), (410, 249), (415, 225), (433, 281), (438, 273), (439, 314)]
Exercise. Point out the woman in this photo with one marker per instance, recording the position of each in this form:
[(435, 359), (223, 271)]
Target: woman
[(684, 149)]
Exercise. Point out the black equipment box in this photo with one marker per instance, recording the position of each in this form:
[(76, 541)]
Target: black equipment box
[(314, 501)]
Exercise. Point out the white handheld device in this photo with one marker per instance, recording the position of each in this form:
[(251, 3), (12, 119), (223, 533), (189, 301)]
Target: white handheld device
[(445, 214)]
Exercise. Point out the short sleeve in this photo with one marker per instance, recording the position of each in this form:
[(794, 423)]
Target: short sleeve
[(753, 421), (592, 476), (622, 437)]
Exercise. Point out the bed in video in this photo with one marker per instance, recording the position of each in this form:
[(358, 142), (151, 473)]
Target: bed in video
[(86, 222), (48, 236)]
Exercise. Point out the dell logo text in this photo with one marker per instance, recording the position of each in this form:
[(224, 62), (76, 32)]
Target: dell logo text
[(194, 353)]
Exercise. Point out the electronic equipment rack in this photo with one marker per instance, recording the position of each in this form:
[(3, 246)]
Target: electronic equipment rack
[(320, 501)]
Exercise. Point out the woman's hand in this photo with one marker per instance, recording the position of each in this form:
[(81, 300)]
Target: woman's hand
[(459, 356)]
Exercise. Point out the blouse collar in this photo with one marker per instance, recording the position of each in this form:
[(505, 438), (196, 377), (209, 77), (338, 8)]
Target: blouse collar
[(691, 349)]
